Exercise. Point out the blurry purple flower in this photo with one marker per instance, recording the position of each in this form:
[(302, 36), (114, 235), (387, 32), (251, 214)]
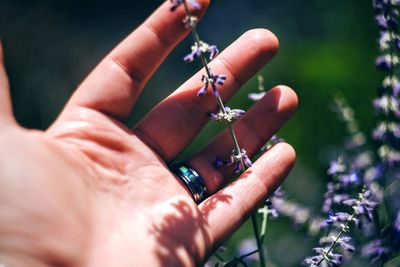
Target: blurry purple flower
[(386, 40), (330, 220), (381, 21), (246, 246), (339, 198), (389, 155), (331, 259), (362, 161), (312, 261), (386, 62), (375, 251), (335, 217), (344, 243), (256, 96), (397, 223), (336, 167), (386, 130), (349, 179), (387, 104)]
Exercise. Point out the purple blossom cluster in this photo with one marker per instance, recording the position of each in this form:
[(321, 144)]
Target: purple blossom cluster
[(239, 160), (357, 176), (332, 249), (198, 50), (387, 105)]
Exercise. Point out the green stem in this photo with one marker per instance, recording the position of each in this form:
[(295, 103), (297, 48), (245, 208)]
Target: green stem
[(264, 225), (258, 240)]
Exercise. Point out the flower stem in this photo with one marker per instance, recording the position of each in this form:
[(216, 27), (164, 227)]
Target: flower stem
[(264, 225), (221, 105), (258, 240), (326, 253)]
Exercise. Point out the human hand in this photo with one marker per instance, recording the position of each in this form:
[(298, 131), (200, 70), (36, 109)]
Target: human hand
[(90, 191)]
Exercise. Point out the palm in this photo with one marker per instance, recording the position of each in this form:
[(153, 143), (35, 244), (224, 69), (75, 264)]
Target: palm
[(102, 165), (91, 192)]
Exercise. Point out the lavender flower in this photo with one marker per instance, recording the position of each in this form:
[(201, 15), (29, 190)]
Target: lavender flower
[(197, 50), (213, 81), (229, 115), (239, 160), (387, 62), (386, 131), (177, 3), (336, 167), (375, 251), (397, 223), (392, 84)]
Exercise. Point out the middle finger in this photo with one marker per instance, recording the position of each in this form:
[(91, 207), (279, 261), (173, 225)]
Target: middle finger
[(174, 122)]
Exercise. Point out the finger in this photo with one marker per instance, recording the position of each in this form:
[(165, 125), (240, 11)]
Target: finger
[(262, 121), (115, 84), (229, 208), (6, 114), (172, 124)]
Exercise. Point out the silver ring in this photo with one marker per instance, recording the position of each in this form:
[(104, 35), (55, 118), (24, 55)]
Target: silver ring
[(193, 181)]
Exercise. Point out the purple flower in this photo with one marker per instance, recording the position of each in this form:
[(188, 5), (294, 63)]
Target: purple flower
[(197, 50), (344, 243), (387, 104), (397, 223), (312, 261), (389, 155), (213, 81), (237, 159), (193, 55), (177, 3), (331, 219), (387, 21), (336, 167), (335, 217), (228, 115), (375, 251), (213, 50), (386, 62), (386, 130), (332, 259), (349, 179)]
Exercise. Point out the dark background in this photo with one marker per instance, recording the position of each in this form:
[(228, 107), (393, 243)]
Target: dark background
[(327, 46)]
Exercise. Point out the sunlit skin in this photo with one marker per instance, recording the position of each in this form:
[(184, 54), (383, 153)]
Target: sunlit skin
[(90, 191)]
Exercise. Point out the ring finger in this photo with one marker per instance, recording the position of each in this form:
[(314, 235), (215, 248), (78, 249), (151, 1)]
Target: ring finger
[(258, 125)]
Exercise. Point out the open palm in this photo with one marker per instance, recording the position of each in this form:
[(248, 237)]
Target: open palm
[(90, 191)]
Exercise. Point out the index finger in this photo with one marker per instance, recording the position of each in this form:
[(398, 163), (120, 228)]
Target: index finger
[(115, 84)]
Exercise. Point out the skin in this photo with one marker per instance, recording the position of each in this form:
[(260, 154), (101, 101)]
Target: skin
[(90, 191)]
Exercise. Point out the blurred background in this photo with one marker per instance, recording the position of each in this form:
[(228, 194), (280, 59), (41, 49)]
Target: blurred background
[(327, 46)]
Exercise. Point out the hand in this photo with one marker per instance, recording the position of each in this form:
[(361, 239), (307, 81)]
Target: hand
[(91, 192)]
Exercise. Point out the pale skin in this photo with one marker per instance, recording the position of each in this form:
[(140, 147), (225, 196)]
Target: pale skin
[(90, 191)]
